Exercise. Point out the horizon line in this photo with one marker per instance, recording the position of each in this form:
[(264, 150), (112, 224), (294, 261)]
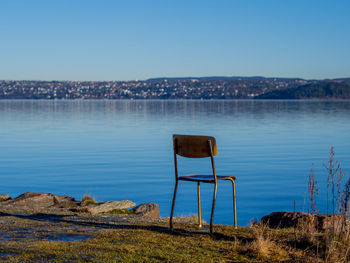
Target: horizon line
[(181, 78)]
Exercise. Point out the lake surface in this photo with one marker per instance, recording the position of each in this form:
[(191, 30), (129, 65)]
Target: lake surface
[(123, 150)]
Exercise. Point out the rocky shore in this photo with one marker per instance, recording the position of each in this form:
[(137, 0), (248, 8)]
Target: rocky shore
[(50, 203)]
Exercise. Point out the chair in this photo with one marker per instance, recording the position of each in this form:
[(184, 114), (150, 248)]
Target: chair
[(193, 146)]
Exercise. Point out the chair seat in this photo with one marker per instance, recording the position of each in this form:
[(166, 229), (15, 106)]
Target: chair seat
[(205, 178)]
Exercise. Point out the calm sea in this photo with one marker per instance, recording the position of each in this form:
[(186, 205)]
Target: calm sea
[(123, 150)]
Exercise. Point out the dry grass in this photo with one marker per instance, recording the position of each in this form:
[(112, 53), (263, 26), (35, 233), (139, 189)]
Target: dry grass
[(262, 246), (88, 200), (337, 247), (115, 241), (141, 242)]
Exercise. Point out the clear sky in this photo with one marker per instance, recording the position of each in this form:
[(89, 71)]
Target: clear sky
[(127, 39)]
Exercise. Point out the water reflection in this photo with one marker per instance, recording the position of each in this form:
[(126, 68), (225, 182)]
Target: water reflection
[(174, 107)]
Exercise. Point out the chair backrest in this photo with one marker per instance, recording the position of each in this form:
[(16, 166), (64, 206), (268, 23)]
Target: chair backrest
[(194, 146)]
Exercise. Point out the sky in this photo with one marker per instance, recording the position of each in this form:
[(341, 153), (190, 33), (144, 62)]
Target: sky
[(129, 40)]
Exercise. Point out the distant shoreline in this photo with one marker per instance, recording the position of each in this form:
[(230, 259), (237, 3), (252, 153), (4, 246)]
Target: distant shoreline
[(174, 100), (210, 88)]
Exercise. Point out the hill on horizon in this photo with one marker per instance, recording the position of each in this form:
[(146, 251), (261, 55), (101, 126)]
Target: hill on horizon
[(347, 79), (317, 90), (221, 78)]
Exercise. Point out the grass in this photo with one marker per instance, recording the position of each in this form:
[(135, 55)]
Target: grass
[(116, 241), (123, 211)]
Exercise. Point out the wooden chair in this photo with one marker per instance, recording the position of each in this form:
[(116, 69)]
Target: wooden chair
[(192, 146)]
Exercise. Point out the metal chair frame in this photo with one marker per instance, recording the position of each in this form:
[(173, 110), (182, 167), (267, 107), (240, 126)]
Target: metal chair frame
[(192, 147)]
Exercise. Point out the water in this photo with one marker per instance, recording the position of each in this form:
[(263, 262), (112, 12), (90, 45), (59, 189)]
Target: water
[(123, 150)]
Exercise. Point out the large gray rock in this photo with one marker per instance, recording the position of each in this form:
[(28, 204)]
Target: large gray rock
[(305, 220), (37, 201), (4, 197), (109, 206), (147, 210)]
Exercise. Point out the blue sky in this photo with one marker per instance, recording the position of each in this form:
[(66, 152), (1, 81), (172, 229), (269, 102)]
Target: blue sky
[(126, 40)]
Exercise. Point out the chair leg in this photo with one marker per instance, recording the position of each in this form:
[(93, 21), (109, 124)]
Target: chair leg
[(199, 205), (172, 206), (234, 203), (212, 209)]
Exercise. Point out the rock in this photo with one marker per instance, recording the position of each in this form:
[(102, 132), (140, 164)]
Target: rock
[(109, 206), (38, 201), (4, 197), (286, 219), (147, 210), (305, 220), (65, 201)]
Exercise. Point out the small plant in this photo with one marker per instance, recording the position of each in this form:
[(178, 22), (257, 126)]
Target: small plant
[(346, 199), (88, 200), (313, 192), (335, 176), (336, 238), (333, 179)]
